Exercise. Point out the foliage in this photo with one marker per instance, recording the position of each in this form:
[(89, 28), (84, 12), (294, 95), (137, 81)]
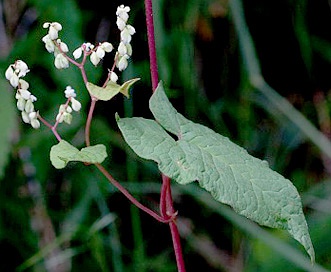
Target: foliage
[(92, 233)]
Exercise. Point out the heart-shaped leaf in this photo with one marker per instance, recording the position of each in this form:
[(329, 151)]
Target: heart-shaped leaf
[(63, 153), (110, 90), (224, 169)]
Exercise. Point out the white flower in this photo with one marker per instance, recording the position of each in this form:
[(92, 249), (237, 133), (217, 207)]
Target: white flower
[(75, 104), (29, 106), (100, 52), (20, 104), (122, 49), (15, 71), (122, 63), (24, 94), (53, 29), (21, 67), (125, 36), (49, 44), (69, 92), (61, 62), (77, 53), (14, 80), (23, 84), (122, 12), (108, 47), (94, 58), (120, 23), (32, 115), (25, 117), (35, 123), (87, 47), (33, 98), (64, 48), (128, 49), (130, 29), (9, 72), (113, 76)]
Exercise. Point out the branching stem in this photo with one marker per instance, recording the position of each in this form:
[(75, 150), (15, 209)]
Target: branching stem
[(166, 202)]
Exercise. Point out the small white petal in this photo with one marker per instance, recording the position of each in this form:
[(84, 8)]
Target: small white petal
[(122, 50), (77, 53), (53, 33), (122, 63), (67, 118), (100, 52), (94, 58), (131, 29), (25, 117), (14, 80), (23, 84), (113, 77), (57, 26), (32, 115), (75, 104), (29, 106), (69, 92), (59, 117), (68, 109), (33, 98), (25, 94), (35, 123), (61, 62), (49, 45), (46, 25), (9, 73), (125, 36), (120, 23), (21, 104), (64, 47), (128, 49), (108, 47)]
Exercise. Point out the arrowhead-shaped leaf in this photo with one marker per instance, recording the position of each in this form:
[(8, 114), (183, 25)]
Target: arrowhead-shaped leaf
[(63, 152), (110, 90), (224, 169)]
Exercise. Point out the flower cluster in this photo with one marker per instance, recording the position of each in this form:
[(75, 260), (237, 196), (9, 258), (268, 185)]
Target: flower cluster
[(124, 50), (54, 45), (97, 52), (65, 110), (25, 99)]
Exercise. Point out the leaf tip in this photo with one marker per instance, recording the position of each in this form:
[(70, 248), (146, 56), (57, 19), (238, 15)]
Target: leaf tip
[(117, 117)]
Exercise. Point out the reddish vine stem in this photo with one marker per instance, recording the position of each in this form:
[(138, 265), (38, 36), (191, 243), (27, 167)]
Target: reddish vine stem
[(130, 197), (166, 202)]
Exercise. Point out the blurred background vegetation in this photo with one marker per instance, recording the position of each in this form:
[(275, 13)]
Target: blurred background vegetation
[(73, 220)]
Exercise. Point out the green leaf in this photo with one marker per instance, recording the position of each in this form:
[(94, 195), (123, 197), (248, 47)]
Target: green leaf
[(63, 153), (224, 169), (111, 89)]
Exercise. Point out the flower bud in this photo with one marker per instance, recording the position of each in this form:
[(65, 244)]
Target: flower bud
[(9, 72), (75, 104), (23, 84), (108, 47), (94, 58), (25, 94), (61, 62), (25, 117), (69, 92), (29, 106), (77, 53), (21, 104), (122, 49), (113, 76), (35, 123), (67, 118), (122, 63), (100, 52)]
